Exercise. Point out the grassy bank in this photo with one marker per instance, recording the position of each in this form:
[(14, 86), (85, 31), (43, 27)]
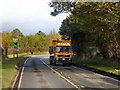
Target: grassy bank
[(9, 70), (111, 66)]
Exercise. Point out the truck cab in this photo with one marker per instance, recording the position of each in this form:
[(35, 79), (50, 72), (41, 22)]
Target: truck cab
[(60, 51)]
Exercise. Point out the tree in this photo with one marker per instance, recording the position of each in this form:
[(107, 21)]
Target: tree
[(30, 43), (40, 33), (17, 32), (95, 22), (6, 41), (61, 7), (53, 36)]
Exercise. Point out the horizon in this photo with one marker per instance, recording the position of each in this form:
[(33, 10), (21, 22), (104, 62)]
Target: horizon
[(28, 34)]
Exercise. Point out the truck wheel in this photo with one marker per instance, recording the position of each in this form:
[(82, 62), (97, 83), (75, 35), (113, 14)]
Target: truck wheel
[(54, 63), (51, 62)]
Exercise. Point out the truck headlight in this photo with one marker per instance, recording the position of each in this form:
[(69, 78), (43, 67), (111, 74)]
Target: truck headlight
[(56, 58), (69, 58), (63, 59)]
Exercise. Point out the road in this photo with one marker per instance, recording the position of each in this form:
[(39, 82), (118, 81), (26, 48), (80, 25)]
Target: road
[(37, 74)]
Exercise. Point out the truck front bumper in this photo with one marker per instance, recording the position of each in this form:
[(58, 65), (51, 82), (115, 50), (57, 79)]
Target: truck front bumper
[(65, 60)]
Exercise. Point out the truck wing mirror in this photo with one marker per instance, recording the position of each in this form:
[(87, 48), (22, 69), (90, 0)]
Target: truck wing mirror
[(50, 49)]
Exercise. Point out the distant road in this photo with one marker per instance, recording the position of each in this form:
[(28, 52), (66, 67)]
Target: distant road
[(37, 74)]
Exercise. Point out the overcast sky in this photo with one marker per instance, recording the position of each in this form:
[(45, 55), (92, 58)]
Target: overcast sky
[(29, 16)]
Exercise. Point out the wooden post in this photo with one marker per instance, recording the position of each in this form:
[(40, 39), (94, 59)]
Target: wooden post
[(13, 53)]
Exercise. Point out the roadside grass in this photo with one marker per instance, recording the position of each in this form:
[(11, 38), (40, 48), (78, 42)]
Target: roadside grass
[(39, 53), (25, 54), (19, 55), (111, 66), (9, 70)]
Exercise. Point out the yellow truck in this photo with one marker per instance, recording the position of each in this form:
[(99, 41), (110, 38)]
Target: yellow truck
[(60, 51)]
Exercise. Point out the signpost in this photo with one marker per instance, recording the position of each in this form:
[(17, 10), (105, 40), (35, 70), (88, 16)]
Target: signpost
[(15, 46), (17, 50)]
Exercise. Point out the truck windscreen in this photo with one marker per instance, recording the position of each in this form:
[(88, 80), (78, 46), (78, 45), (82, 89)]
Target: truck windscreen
[(63, 49)]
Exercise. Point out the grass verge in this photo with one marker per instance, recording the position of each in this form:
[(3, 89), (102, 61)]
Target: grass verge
[(25, 54), (9, 70), (107, 65), (39, 53)]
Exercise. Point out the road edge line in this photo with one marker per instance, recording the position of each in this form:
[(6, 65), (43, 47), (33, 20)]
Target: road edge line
[(20, 78), (15, 79), (70, 82), (18, 75), (21, 74)]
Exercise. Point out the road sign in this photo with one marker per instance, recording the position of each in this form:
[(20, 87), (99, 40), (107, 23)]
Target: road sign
[(15, 43), (15, 40), (17, 50)]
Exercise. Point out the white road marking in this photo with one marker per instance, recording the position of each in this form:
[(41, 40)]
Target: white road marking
[(15, 80), (21, 75), (25, 61), (20, 78), (69, 77), (82, 86), (73, 84)]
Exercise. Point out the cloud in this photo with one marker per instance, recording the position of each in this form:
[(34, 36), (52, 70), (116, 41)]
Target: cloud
[(28, 15)]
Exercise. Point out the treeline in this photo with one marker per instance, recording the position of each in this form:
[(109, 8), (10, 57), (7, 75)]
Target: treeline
[(30, 43), (91, 25)]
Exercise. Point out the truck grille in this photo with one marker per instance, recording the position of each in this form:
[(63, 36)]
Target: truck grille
[(63, 55)]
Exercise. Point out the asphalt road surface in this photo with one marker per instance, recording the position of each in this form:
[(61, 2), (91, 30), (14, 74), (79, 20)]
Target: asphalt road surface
[(37, 75)]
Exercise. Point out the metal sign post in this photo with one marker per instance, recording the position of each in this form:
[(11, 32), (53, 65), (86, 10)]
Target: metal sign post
[(17, 50)]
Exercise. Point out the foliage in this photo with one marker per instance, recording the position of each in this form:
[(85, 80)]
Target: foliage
[(40, 33), (53, 35), (30, 43), (17, 32), (92, 24), (60, 7)]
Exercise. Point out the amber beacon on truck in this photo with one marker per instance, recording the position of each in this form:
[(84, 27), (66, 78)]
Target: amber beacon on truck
[(60, 52)]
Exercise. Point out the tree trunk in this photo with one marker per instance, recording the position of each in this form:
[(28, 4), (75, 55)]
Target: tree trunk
[(6, 51)]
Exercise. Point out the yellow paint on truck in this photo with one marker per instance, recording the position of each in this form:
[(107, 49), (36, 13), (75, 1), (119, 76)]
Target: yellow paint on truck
[(60, 51)]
